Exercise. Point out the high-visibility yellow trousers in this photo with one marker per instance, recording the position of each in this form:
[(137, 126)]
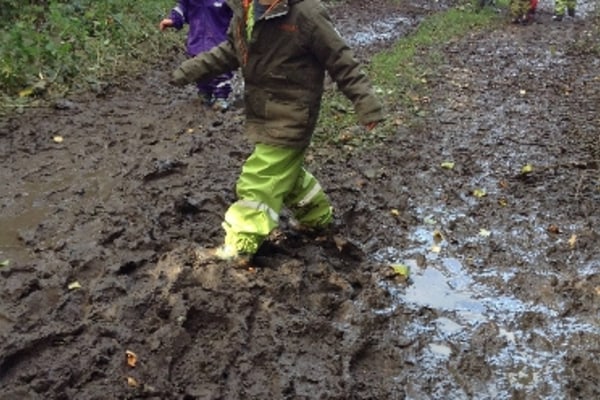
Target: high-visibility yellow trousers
[(271, 178)]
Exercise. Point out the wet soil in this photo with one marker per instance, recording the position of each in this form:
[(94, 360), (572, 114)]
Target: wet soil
[(503, 300)]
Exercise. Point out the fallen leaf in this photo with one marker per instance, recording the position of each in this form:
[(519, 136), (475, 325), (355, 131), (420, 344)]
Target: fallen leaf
[(132, 382), (484, 232), (131, 358), (522, 92), (479, 193), (503, 183), (437, 236), (573, 240), (58, 139), (190, 130), (502, 202), (436, 248), (527, 169), (395, 212), (447, 165), (4, 263), (401, 269), (553, 229), (597, 290), (26, 92), (74, 285), (429, 221)]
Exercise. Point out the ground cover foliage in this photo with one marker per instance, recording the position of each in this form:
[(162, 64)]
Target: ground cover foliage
[(51, 46)]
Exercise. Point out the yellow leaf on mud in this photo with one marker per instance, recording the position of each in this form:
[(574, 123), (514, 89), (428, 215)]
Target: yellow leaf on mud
[(74, 285), (131, 358), (429, 221), (26, 92), (502, 202), (447, 165), (57, 139), (479, 193), (401, 269), (4, 263), (437, 236), (395, 212), (522, 92), (484, 232), (132, 382), (190, 130), (573, 240), (527, 169), (436, 248)]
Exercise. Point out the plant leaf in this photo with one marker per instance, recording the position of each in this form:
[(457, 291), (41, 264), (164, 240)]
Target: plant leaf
[(479, 193), (131, 358), (401, 269), (527, 169), (447, 165)]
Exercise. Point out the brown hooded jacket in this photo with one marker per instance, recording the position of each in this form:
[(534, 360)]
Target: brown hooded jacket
[(283, 64)]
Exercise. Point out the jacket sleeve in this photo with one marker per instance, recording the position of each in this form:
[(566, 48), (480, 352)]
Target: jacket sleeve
[(207, 65), (179, 15), (339, 61)]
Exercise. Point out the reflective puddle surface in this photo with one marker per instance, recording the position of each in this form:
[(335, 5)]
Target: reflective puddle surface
[(530, 339)]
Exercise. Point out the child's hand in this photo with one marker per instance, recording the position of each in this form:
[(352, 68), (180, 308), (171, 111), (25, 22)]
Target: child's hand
[(165, 23)]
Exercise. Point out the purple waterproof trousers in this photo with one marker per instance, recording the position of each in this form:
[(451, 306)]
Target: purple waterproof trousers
[(208, 21)]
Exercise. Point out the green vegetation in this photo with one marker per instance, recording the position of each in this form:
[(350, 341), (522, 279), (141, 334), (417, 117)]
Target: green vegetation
[(51, 46), (402, 74)]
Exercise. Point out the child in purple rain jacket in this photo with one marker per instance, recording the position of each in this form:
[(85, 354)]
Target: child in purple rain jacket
[(208, 21)]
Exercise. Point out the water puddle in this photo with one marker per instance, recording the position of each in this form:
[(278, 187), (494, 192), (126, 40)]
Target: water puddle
[(13, 221), (382, 30), (525, 356), (38, 201)]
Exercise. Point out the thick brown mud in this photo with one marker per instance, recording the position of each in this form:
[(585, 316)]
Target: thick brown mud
[(503, 301)]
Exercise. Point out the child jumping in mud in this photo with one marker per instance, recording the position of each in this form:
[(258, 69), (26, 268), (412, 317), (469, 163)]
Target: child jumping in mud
[(284, 48), (208, 21)]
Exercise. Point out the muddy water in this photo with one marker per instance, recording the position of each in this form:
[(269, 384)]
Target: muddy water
[(527, 360), (498, 306), (475, 284)]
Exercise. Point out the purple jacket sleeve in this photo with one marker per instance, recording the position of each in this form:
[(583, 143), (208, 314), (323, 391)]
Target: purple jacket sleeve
[(178, 15)]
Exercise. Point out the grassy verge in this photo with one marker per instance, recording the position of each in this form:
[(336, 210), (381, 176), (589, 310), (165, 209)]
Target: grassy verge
[(50, 47), (401, 75)]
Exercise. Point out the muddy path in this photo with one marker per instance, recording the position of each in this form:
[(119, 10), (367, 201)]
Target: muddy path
[(504, 296)]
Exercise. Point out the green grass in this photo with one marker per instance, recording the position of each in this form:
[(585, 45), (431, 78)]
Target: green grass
[(51, 47), (401, 75)]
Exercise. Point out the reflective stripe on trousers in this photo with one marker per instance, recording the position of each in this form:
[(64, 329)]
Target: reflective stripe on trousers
[(272, 177)]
